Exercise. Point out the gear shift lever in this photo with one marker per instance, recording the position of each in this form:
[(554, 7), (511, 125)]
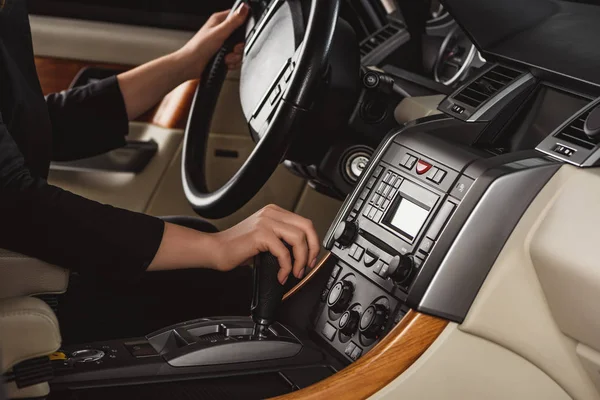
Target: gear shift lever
[(267, 291)]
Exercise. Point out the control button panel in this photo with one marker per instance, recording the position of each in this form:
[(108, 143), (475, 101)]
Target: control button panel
[(340, 318), (423, 168)]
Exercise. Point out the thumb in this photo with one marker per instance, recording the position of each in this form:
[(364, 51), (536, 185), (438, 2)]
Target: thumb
[(235, 19)]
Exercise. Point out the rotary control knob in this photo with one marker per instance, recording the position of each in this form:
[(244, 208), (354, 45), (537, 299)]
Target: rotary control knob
[(349, 322), (373, 321), (345, 233), (340, 296), (400, 269)]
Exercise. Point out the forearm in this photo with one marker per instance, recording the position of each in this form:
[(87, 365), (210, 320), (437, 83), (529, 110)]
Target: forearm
[(182, 248), (146, 85)]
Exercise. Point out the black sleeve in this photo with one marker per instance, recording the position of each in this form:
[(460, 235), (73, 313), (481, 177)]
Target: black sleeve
[(87, 120), (64, 229)]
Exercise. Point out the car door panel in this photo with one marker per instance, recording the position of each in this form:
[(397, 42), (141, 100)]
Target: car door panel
[(63, 47)]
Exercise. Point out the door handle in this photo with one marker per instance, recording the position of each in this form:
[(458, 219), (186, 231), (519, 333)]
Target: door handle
[(131, 158)]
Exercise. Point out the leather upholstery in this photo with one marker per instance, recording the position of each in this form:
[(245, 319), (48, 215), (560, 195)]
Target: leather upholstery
[(24, 276), (28, 329)]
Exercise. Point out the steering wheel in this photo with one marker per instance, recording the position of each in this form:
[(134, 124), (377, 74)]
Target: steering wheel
[(283, 67), (447, 55)]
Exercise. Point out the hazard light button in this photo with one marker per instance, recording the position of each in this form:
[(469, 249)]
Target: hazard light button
[(422, 167)]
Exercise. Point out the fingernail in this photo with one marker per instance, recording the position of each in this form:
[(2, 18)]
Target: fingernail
[(241, 9), (302, 273), (313, 263), (285, 280)]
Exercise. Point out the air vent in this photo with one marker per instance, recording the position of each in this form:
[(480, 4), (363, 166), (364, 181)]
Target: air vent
[(383, 42), (487, 85), (573, 133)]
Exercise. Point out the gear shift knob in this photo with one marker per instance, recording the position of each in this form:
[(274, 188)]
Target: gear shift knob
[(267, 291)]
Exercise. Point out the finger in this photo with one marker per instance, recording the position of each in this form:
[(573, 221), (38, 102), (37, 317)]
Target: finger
[(294, 237), (233, 59), (276, 247), (218, 17), (239, 48), (234, 67), (306, 226), (235, 19)]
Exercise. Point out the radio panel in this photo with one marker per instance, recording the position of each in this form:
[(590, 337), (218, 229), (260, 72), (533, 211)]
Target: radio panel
[(381, 244)]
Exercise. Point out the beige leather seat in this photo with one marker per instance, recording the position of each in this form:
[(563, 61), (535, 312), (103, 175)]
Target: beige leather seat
[(28, 326)]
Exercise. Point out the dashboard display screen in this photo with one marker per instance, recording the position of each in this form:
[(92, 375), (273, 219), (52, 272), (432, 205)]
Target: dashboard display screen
[(409, 218)]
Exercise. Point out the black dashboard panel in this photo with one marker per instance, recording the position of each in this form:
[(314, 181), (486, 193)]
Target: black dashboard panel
[(552, 35)]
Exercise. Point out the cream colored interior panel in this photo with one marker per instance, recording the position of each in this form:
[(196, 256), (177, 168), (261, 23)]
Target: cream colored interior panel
[(462, 366), (511, 308), (590, 359), (21, 275), (282, 188), (102, 41), (564, 251), (125, 190), (28, 329), (411, 108)]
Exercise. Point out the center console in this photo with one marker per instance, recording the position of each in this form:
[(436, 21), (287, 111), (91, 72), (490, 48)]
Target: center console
[(406, 236), (420, 231)]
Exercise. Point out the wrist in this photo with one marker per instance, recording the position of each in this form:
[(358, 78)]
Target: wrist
[(189, 64)]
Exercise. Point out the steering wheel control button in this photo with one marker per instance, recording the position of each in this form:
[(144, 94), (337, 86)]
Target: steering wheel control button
[(423, 167), (275, 95), (373, 321), (378, 171), (340, 296), (328, 331), (345, 233), (349, 322), (370, 259)]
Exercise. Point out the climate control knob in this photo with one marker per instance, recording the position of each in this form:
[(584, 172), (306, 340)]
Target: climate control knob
[(400, 269), (373, 321), (345, 233), (340, 296), (349, 322)]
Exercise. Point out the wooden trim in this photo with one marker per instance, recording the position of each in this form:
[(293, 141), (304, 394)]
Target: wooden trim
[(308, 277), (173, 110), (385, 362), (56, 74)]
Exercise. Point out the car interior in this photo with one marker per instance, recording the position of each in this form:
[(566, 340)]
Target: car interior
[(446, 151)]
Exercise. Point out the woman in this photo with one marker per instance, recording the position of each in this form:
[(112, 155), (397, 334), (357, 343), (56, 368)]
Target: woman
[(99, 241)]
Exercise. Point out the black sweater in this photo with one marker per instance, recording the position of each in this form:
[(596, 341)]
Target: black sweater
[(44, 221)]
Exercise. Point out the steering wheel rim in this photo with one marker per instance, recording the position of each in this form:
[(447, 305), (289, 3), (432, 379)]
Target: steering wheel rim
[(438, 62), (310, 61)]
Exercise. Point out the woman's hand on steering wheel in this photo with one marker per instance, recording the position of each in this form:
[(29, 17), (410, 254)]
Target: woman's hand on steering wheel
[(264, 231), (197, 53)]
